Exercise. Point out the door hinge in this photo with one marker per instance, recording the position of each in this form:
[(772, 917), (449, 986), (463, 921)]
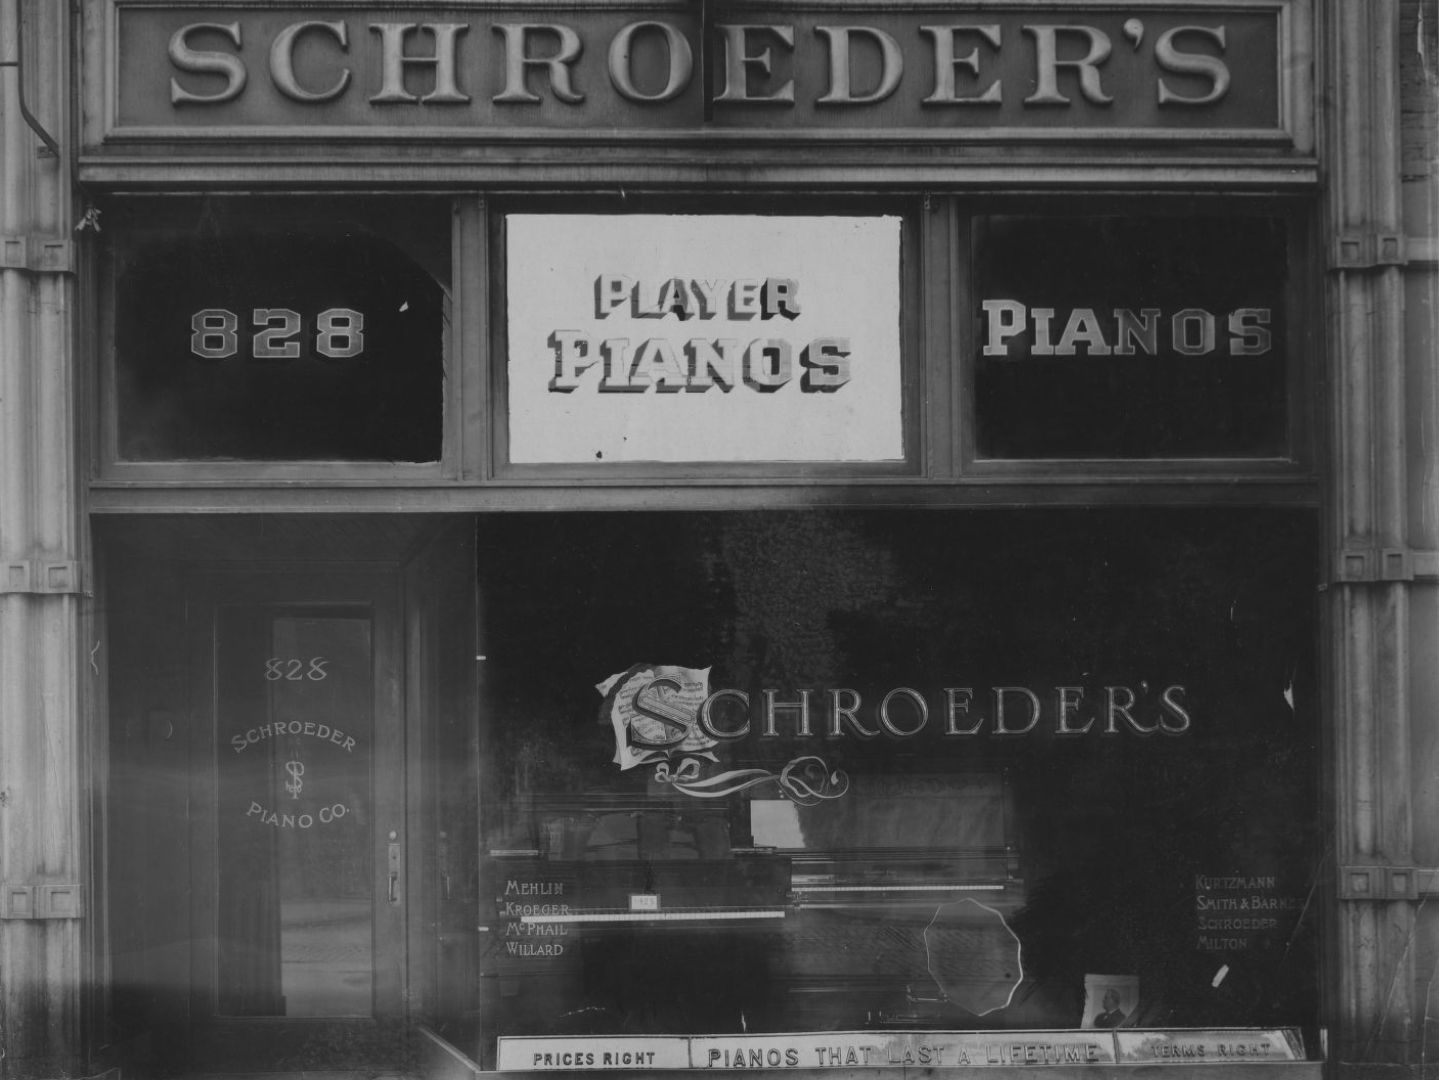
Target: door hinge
[(37, 254), (41, 902)]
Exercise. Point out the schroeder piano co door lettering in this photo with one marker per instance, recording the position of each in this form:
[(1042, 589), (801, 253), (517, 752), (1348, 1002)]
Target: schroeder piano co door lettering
[(306, 890)]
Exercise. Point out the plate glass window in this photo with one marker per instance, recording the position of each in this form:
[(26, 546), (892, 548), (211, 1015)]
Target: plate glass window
[(905, 771), (1130, 337), (288, 340)]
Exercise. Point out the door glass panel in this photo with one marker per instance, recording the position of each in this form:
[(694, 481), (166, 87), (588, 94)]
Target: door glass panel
[(295, 743)]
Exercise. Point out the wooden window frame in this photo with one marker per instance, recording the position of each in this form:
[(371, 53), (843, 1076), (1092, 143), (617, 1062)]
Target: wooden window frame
[(940, 465), (700, 473), (1303, 343), (165, 220)]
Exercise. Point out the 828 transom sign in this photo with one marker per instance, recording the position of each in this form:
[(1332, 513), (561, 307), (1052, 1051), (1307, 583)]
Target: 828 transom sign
[(338, 334)]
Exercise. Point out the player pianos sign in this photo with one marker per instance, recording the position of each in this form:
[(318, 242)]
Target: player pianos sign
[(920, 70), (734, 338)]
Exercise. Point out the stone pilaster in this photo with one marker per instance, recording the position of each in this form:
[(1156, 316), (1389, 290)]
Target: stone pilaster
[(42, 816), (1372, 557)]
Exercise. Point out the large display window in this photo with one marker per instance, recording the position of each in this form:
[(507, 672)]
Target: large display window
[(895, 772)]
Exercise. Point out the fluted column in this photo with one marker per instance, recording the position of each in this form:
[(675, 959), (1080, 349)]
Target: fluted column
[(42, 860), (1372, 558)]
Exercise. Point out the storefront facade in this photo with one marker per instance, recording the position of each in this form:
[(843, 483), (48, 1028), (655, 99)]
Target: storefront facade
[(659, 538)]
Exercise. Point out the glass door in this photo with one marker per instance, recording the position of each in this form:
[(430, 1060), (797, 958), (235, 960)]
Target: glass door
[(295, 904), (303, 858)]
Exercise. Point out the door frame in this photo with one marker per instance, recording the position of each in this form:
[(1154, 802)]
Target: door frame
[(377, 589)]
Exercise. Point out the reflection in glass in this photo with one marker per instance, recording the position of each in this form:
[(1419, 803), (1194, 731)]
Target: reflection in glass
[(294, 748), (1101, 738)]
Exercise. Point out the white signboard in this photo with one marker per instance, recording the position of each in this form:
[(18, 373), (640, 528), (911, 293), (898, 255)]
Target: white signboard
[(725, 338), (851, 1050), (831, 1050), (1209, 1047)]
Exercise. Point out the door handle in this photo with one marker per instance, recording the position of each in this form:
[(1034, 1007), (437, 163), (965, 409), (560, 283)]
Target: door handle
[(393, 853)]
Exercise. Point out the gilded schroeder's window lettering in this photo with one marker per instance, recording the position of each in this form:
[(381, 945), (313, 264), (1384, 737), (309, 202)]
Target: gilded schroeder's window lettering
[(1013, 710)]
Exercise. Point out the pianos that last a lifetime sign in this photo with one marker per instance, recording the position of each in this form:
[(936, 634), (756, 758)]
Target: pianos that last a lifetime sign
[(854, 1050), (724, 338)]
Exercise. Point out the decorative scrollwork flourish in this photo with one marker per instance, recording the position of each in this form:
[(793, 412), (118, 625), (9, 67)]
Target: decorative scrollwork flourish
[(805, 780)]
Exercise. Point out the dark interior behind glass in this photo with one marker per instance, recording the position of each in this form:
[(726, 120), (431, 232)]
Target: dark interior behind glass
[(1131, 337), (1097, 753), (287, 333)]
